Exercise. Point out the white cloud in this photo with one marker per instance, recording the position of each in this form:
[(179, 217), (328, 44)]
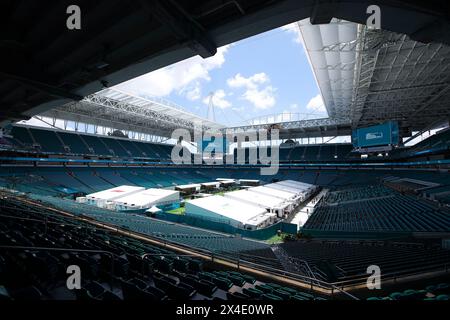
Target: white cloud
[(238, 109), (293, 29), (261, 98), (238, 81), (177, 77), (193, 93), (316, 104), (218, 100)]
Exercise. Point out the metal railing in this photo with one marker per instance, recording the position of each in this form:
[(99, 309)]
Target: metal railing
[(234, 259), (241, 260), (240, 263), (395, 276)]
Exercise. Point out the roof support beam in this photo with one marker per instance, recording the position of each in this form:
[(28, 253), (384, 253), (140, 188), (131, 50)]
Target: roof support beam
[(43, 87), (430, 101), (322, 11), (182, 25), (428, 127)]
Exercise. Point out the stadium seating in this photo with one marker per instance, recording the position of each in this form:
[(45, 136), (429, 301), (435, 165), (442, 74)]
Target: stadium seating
[(58, 142), (444, 198), (338, 261), (355, 203), (22, 134), (437, 292), (193, 237), (65, 142), (137, 178), (146, 149), (284, 154), (113, 266), (132, 148), (48, 140), (307, 153), (376, 209), (115, 146), (74, 142), (5, 142), (88, 180), (97, 145), (357, 193), (65, 179), (312, 153), (396, 213), (113, 176), (437, 142)]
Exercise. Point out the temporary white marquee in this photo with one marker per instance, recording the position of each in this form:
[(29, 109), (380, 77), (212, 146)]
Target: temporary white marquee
[(102, 197), (237, 213), (271, 204), (147, 199), (254, 207)]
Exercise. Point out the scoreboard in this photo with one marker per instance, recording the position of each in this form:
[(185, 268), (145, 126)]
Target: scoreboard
[(215, 145), (379, 135)]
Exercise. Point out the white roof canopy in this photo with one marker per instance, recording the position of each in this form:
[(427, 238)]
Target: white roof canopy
[(114, 193), (261, 200), (113, 108), (230, 208), (145, 197)]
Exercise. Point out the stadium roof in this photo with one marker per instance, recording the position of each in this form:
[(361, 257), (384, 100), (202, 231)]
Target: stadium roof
[(371, 76), (365, 77), (44, 65), (116, 109), (400, 79)]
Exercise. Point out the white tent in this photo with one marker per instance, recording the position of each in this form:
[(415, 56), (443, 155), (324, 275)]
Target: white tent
[(102, 197), (237, 213), (147, 198)]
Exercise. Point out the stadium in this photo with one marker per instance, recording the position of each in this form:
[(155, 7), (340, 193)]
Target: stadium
[(151, 201)]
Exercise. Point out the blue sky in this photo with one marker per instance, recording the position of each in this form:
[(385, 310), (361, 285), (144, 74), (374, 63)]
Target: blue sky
[(263, 75)]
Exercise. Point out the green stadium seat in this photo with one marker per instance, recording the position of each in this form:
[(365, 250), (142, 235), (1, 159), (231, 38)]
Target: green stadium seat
[(237, 296), (253, 292), (238, 281), (270, 296), (222, 283), (264, 288), (283, 294)]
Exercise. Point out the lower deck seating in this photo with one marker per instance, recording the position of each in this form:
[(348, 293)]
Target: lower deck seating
[(376, 209), (114, 267), (193, 237), (434, 292), (342, 261)]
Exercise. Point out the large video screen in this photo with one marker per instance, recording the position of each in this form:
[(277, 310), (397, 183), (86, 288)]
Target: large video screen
[(379, 135), (215, 145)]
